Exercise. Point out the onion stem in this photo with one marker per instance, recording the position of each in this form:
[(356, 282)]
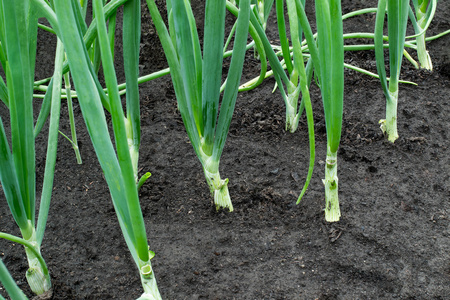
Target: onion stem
[(219, 189), (389, 125), (332, 210)]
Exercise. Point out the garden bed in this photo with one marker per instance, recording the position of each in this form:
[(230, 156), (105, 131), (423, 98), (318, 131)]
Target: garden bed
[(392, 241)]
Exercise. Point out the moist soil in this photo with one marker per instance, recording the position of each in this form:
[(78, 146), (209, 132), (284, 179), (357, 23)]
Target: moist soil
[(392, 241)]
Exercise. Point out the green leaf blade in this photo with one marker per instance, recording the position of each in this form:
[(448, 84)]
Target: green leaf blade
[(188, 60), (131, 45), (20, 77), (212, 66)]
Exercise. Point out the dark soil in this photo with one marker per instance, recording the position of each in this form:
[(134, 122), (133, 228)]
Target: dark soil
[(393, 238)]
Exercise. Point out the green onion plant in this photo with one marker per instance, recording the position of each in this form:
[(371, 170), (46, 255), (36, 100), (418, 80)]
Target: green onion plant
[(397, 11), (300, 77), (327, 54), (17, 163), (197, 79), (421, 17), (328, 59), (119, 163)]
